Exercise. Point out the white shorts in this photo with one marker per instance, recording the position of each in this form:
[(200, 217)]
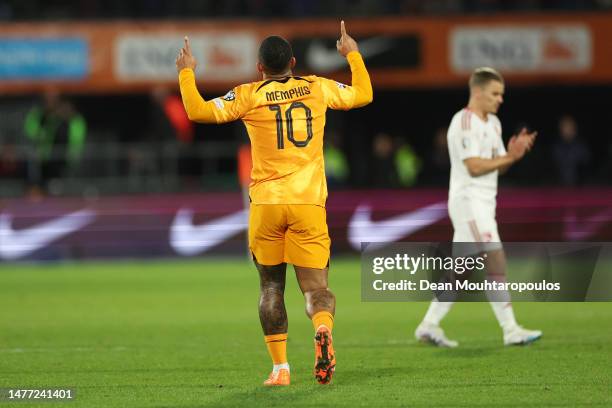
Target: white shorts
[(474, 222)]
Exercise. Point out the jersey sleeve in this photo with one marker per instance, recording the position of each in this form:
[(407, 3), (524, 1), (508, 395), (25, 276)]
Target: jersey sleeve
[(228, 108), (233, 105), (500, 148), (337, 95), (344, 97), (466, 144)]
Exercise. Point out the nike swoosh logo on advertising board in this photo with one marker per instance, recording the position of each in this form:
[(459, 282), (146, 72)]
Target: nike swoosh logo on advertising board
[(362, 229), (578, 230), (15, 244), (188, 239), (324, 59)]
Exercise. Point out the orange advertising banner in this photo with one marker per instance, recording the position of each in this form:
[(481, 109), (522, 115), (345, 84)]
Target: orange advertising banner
[(400, 52)]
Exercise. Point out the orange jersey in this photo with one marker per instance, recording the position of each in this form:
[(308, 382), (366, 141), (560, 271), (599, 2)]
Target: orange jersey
[(285, 120)]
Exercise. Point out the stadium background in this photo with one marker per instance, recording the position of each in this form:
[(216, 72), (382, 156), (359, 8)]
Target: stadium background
[(116, 132), (93, 142)]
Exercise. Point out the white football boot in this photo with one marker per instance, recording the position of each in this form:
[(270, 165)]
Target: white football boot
[(519, 336), (429, 333)]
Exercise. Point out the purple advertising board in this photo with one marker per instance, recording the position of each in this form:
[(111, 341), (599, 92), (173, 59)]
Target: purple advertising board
[(216, 223)]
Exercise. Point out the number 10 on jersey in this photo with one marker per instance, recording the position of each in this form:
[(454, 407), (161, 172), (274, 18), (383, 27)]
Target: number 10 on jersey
[(280, 138)]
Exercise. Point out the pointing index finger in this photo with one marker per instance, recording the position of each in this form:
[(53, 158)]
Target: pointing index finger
[(342, 29), (187, 46)]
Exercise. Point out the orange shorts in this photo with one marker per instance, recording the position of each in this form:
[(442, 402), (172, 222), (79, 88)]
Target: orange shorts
[(291, 233)]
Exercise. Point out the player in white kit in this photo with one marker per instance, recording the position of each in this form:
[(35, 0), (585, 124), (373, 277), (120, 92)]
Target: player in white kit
[(478, 155)]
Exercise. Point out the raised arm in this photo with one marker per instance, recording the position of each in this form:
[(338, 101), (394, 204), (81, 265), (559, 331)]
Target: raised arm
[(219, 110), (347, 47), (196, 107)]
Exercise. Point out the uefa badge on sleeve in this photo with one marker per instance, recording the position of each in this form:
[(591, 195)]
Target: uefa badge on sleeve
[(230, 96)]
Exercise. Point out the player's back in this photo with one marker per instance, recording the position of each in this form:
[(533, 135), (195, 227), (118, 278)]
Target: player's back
[(285, 120), (285, 123)]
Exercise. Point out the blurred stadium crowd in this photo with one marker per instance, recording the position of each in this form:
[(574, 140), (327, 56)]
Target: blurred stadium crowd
[(161, 9), (68, 145), (110, 143)]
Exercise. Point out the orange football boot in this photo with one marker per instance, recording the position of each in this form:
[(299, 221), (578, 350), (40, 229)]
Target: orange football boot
[(281, 378), (325, 357)]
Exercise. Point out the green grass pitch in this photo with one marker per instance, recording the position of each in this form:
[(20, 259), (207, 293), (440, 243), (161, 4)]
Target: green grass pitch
[(187, 334)]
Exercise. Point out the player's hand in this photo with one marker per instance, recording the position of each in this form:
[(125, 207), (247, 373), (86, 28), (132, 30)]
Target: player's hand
[(346, 43), (185, 59), (528, 139), (520, 144), (515, 150)]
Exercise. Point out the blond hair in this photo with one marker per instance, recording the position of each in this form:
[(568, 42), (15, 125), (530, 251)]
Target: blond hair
[(483, 75)]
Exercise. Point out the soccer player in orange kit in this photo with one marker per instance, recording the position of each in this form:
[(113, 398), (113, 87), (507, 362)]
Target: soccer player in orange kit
[(285, 118)]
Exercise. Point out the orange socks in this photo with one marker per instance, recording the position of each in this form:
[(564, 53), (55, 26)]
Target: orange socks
[(323, 318), (277, 343), (277, 347)]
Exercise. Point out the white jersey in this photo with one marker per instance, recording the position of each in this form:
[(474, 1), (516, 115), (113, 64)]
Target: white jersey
[(469, 136)]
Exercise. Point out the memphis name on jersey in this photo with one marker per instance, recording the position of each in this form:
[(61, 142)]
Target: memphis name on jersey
[(470, 136), (275, 96)]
